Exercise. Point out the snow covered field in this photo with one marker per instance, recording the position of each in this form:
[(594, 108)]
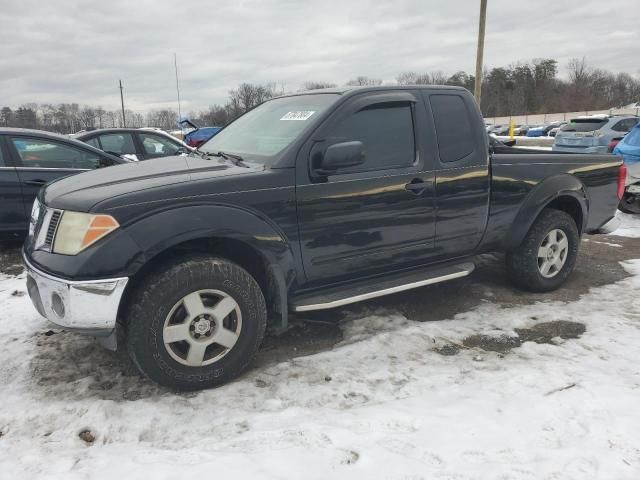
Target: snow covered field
[(629, 225), (529, 141), (383, 403)]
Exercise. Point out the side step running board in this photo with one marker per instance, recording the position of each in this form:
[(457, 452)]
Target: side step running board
[(345, 295)]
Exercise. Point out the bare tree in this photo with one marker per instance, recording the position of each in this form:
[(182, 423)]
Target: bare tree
[(165, 119), (578, 70), (439, 78), (87, 117), (364, 81), (315, 85), (248, 95), (6, 116), (412, 78)]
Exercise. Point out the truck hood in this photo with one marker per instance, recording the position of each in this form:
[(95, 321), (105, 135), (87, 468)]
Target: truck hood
[(82, 192)]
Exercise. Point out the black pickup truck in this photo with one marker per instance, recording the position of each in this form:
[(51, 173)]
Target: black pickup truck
[(308, 202)]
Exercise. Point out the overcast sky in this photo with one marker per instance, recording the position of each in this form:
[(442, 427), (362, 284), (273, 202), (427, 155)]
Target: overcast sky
[(63, 51)]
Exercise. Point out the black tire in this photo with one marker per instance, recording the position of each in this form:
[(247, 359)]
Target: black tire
[(629, 204), (156, 297), (522, 263)]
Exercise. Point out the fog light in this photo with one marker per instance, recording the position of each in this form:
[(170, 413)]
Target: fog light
[(57, 305)]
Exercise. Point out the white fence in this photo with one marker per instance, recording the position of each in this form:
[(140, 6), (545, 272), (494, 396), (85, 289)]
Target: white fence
[(538, 119)]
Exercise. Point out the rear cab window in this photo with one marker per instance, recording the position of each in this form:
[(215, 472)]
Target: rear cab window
[(456, 136)]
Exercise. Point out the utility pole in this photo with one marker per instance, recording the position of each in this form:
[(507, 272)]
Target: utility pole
[(477, 91), (175, 63), (124, 121)]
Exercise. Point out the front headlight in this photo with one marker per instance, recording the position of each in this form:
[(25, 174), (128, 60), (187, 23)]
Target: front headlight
[(77, 231)]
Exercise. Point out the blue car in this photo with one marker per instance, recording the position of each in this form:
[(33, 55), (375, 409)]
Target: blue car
[(198, 135), (629, 149), (537, 131)]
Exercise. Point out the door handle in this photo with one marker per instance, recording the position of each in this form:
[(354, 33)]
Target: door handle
[(37, 182), (416, 186)]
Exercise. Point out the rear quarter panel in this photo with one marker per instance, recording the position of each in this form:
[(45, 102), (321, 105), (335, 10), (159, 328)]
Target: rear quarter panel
[(523, 184)]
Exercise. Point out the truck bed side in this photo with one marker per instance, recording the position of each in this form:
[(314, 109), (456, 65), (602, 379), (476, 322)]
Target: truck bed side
[(523, 184)]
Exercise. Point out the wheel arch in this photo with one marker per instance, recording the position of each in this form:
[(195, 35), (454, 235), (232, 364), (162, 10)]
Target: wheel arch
[(235, 234), (563, 192)]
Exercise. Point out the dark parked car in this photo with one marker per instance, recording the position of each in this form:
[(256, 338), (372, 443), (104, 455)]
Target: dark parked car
[(136, 143), (31, 158), (307, 202)]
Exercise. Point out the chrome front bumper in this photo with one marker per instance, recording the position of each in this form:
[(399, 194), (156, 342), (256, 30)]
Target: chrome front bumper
[(89, 306)]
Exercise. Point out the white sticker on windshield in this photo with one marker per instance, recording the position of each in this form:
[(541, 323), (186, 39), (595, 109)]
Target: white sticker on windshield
[(303, 115)]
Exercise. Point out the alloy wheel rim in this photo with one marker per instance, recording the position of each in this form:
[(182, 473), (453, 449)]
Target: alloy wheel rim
[(202, 327), (552, 253)]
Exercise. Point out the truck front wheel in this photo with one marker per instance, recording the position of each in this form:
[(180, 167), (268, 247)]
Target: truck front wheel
[(547, 255), (196, 323)]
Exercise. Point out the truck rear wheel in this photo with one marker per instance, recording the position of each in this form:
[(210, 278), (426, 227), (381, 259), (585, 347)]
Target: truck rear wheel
[(196, 323), (547, 255)]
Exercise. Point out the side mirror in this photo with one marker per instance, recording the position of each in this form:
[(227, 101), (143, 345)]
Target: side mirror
[(130, 156), (510, 143), (341, 155)]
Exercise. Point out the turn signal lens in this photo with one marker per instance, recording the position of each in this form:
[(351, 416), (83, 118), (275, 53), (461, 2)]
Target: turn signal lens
[(78, 231)]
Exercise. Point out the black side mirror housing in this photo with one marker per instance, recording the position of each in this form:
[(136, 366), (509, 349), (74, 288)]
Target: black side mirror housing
[(341, 155)]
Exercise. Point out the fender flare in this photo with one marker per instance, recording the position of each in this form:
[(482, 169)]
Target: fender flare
[(161, 230), (550, 189)]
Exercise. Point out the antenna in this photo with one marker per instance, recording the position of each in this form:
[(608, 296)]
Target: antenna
[(175, 63)]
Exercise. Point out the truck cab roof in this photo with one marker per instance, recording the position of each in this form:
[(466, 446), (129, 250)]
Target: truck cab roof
[(351, 90)]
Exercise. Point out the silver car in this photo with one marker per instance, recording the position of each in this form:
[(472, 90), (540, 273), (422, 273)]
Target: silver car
[(592, 134)]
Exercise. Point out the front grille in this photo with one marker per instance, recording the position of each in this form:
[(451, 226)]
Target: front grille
[(51, 230), (46, 228)]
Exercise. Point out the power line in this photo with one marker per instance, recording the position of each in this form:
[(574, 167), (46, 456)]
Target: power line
[(124, 121)]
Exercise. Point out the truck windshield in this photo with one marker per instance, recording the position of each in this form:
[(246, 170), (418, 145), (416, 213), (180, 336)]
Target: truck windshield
[(262, 133)]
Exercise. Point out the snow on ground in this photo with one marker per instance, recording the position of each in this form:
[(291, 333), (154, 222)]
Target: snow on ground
[(534, 147), (522, 140), (381, 404), (629, 225)]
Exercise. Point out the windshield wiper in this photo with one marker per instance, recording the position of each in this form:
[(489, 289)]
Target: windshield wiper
[(235, 159)]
